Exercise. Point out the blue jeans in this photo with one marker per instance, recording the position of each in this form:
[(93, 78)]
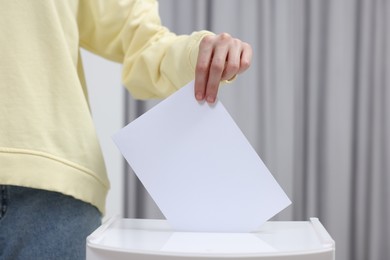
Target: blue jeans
[(39, 224)]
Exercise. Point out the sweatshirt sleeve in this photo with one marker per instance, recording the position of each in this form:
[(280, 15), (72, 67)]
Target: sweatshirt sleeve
[(156, 62)]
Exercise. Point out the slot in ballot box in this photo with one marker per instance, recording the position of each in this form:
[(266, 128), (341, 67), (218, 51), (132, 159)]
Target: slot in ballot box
[(145, 239)]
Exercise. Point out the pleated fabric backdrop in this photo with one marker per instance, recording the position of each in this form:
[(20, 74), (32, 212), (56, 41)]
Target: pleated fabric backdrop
[(315, 105)]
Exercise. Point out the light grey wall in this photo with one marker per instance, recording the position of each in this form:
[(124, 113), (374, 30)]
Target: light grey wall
[(106, 96)]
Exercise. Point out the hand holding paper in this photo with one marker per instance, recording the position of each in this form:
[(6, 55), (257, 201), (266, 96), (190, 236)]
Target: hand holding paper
[(199, 168), (221, 57)]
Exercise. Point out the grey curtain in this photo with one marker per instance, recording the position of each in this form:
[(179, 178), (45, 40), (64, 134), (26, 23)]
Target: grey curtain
[(315, 105)]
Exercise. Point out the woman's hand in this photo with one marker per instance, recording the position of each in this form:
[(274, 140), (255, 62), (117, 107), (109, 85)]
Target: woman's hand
[(221, 57)]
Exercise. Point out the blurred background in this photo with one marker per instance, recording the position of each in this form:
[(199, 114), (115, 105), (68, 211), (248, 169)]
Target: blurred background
[(315, 105)]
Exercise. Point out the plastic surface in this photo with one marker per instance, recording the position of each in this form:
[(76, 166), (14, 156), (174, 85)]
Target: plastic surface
[(142, 239)]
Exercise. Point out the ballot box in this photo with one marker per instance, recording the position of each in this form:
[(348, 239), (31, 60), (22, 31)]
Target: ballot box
[(145, 239)]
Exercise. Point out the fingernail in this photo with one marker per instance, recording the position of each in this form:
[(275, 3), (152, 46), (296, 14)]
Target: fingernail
[(199, 96), (210, 99)]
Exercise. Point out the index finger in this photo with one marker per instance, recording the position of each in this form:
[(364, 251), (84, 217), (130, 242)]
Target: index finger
[(202, 68)]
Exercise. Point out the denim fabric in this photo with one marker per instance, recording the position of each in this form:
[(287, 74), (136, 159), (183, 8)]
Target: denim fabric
[(39, 224)]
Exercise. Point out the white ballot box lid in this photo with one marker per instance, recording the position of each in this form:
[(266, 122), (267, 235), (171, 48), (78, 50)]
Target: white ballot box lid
[(145, 239)]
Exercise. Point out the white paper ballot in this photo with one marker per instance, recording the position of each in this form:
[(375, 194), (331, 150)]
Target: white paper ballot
[(199, 168)]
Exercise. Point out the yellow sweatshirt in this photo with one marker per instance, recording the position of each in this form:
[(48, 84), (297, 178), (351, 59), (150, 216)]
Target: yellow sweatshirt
[(47, 137)]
